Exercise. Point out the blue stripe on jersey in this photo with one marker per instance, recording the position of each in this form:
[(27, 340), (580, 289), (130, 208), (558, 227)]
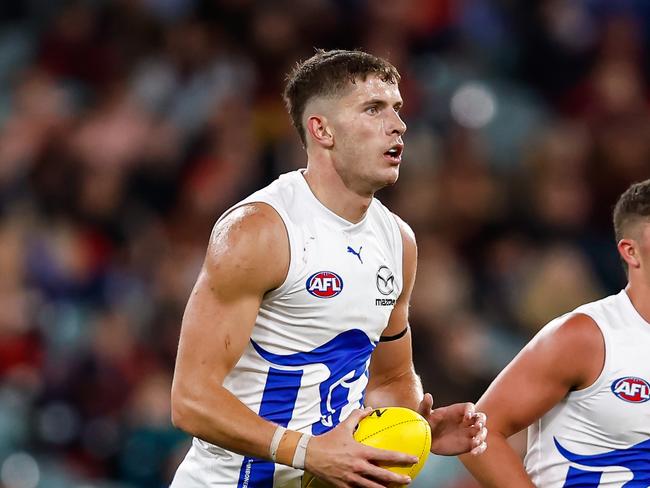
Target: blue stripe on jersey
[(635, 458), (576, 478), (345, 357), (278, 401)]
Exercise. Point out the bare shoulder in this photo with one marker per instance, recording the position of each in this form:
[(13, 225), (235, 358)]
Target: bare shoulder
[(250, 242), (566, 355), (251, 222), (408, 236), (571, 332), (575, 342), (409, 261)]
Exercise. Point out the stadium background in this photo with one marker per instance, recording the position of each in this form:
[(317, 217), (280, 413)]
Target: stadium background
[(128, 126)]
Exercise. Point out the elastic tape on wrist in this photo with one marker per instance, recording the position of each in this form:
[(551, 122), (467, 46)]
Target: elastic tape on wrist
[(301, 452), (275, 442)]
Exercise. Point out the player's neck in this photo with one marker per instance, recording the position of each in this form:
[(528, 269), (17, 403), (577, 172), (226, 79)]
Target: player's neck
[(639, 293), (332, 192)]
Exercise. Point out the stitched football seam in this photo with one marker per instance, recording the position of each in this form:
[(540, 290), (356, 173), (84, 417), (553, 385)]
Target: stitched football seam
[(389, 427), (421, 452), (394, 425)]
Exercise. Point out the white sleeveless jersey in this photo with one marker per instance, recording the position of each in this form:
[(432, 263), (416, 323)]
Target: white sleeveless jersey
[(306, 364), (600, 436)]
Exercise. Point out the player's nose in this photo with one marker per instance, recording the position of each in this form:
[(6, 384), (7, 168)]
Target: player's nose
[(396, 125)]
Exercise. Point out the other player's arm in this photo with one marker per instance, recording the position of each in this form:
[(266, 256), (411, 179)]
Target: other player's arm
[(248, 255), (565, 355)]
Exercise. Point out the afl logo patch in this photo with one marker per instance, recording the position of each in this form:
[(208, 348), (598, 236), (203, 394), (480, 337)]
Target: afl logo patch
[(385, 280), (324, 284), (631, 389)]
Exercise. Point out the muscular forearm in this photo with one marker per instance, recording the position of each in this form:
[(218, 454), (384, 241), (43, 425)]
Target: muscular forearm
[(222, 419), (498, 466), (402, 391)]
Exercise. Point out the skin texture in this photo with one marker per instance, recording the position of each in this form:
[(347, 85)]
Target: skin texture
[(347, 139), (248, 255), (565, 356)]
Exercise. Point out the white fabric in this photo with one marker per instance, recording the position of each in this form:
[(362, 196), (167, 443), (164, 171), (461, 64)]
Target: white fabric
[(613, 434), (304, 346)]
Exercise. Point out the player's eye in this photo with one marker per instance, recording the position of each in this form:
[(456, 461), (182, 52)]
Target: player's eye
[(372, 110)]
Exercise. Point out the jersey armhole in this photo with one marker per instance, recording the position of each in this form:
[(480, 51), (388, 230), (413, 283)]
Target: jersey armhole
[(600, 380), (290, 238)]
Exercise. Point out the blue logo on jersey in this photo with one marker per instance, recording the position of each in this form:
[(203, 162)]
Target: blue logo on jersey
[(636, 459), (345, 357), (324, 284), (357, 254)]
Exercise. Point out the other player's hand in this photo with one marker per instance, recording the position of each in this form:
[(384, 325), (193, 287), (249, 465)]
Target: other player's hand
[(337, 458), (455, 429)]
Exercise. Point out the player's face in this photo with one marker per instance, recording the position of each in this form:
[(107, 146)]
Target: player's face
[(368, 131)]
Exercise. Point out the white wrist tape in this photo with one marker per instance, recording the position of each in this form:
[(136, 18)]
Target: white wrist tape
[(301, 452), (275, 442)]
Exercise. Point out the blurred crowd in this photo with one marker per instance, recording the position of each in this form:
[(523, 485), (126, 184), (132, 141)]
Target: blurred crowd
[(128, 126)]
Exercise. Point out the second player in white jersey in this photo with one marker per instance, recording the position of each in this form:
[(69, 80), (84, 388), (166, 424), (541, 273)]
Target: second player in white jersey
[(600, 436), (582, 385)]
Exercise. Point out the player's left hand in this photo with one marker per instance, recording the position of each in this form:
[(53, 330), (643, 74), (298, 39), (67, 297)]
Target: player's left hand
[(455, 429)]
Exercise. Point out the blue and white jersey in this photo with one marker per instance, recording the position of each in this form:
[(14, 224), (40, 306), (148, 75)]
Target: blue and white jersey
[(306, 364), (600, 436)]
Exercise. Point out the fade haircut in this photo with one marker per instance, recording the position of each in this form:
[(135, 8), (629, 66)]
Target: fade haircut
[(632, 206), (329, 73)]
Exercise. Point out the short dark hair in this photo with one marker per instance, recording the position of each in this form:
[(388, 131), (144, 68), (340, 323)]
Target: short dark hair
[(328, 73), (633, 205)]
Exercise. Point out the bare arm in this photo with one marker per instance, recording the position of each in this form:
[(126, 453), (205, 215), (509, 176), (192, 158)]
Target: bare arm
[(566, 355), (217, 325), (393, 381), (454, 429)]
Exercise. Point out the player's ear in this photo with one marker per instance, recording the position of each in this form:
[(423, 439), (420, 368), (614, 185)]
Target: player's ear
[(628, 251), (320, 131)]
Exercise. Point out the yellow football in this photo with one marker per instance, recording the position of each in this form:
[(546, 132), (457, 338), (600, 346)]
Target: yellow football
[(393, 428)]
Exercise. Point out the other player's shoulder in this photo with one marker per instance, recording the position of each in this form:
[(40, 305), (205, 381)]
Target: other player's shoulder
[(573, 328), (575, 343)]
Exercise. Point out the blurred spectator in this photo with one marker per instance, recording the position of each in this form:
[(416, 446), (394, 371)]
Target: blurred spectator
[(128, 127)]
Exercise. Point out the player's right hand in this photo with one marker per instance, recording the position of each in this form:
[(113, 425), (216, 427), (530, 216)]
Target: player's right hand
[(337, 458)]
